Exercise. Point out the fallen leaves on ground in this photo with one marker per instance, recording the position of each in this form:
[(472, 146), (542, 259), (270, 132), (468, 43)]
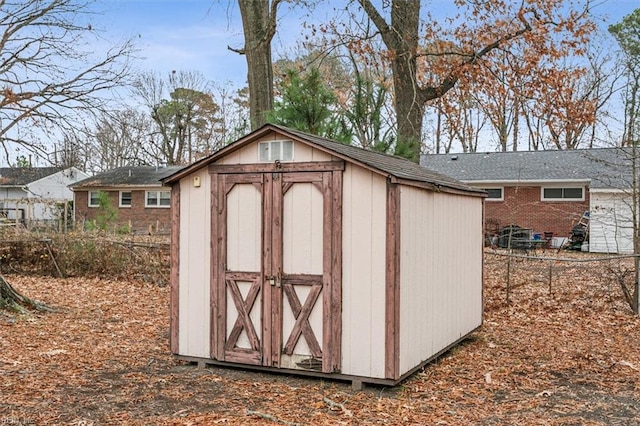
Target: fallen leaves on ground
[(566, 356)]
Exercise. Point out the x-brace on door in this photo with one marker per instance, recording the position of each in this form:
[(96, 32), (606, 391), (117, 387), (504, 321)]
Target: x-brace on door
[(276, 275)]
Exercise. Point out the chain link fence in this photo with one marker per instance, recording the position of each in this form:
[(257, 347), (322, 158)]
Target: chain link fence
[(561, 274)]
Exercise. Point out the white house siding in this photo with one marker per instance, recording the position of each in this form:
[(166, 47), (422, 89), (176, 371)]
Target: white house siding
[(56, 186), (39, 198), (363, 278), (12, 199), (440, 272), (610, 225), (194, 264)]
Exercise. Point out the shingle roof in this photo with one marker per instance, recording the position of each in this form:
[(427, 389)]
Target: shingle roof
[(20, 176), (128, 177), (395, 166), (602, 167), (383, 163)]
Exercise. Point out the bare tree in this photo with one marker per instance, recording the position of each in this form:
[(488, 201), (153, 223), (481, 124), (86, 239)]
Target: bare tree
[(117, 139), (49, 72), (71, 151), (485, 28), (49, 76), (234, 113), (184, 112), (627, 34)]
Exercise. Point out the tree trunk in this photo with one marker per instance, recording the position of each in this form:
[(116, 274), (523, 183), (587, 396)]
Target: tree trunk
[(401, 39), (11, 300), (259, 26), (408, 103)]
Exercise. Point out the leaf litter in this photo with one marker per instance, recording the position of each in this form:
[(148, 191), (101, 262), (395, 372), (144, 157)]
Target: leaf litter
[(565, 357)]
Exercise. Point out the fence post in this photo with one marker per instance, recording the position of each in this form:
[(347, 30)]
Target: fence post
[(508, 280)]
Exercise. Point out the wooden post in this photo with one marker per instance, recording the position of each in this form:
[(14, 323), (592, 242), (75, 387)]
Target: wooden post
[(53, 259), (29, 214), (636, 292), (65, 222), (508, 280)]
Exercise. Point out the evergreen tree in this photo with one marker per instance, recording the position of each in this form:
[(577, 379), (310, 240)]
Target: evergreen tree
[(306, 104)]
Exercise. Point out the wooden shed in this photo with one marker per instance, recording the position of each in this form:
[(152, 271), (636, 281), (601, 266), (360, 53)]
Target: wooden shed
[(295, 253)]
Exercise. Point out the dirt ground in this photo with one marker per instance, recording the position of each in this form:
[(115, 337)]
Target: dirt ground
[(569, 356)]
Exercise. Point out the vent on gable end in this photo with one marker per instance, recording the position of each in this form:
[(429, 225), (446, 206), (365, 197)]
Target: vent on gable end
[(270, 151)]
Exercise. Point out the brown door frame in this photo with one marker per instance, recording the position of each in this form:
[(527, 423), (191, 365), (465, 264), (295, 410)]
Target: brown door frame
[(273, 181)]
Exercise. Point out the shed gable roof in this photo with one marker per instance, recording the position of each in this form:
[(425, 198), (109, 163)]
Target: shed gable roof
[(382, 163), (602, 167), (128, 177), (21, 176)]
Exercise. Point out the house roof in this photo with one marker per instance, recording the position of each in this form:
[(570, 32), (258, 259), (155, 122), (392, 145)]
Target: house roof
[(382, 163), (128, 177), (21, 176), (601, 167)]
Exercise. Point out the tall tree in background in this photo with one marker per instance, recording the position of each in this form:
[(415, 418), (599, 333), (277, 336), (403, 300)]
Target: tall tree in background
[(46, 77), (259, 26), (627, 34), (72, 151), (365, 112), (183, 111), (117, 139), (234, 110), (486, 26)]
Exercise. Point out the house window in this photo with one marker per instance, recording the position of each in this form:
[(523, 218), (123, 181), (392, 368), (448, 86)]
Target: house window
[(94, 198), (494, 194), (158, 199), (275, 150), (125, 198), (563, 194)]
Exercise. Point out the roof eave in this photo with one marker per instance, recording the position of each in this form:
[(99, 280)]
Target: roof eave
[(522, 181), (171, 179)]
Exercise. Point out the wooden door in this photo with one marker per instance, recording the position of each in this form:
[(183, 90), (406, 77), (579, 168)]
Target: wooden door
[(237, 274), (277, 298)]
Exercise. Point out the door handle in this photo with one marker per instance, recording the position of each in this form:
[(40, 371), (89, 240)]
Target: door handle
[(279, 278)]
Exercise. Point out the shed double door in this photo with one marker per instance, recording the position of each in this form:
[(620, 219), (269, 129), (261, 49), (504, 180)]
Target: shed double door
[(276, 296)]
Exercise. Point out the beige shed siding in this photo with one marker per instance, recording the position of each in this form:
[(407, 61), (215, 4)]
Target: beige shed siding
[(302, 253), (195, 259), (244, 228), (249, 154), (610, 224), (244, 250), (363, 283), (302, 230), (440, 272)]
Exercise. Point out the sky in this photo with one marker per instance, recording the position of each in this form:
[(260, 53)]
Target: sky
[(194, 34), (190, 34)]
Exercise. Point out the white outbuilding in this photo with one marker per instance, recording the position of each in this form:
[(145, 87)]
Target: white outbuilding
[(295, 253)]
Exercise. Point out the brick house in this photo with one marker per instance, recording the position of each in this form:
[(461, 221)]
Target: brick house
[(550, 191), (136, 193)]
